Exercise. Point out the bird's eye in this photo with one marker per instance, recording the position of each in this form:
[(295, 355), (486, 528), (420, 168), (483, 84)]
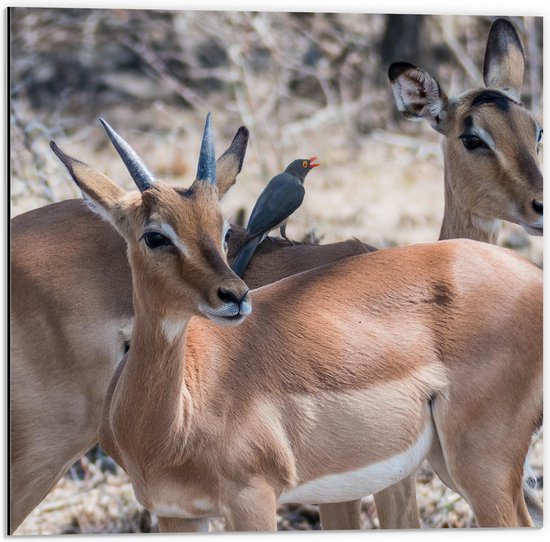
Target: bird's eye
[(540, 136), (305, 163), (472, 142), (156, 240)]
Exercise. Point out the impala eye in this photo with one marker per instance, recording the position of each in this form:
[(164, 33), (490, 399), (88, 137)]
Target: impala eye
[(226, 238), (472, 142), (155, 240)]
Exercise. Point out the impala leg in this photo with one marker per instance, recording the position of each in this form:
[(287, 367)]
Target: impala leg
[(497, 506), (252, 508), (522, 511), (55, 419), (396, 505), (28, 489), (488, 474), (534, 505), (38, 462), (341, 515), (180, 525), (492, 490), (528, 508)]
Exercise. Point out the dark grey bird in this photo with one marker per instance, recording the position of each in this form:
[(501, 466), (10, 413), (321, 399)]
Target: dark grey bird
[(280, 198)]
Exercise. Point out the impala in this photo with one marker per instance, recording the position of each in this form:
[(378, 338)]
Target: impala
[(490, 148), (71, 297), (490, 143), (341, 381)]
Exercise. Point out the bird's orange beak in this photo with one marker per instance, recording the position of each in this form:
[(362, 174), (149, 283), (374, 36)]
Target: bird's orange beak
[(311, 164)]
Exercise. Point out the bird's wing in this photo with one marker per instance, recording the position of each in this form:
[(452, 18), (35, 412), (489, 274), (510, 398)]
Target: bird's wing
[(280, 198)]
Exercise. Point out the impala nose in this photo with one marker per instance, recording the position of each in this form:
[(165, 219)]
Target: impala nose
[(537, 206), (242, 300), (228, 296)]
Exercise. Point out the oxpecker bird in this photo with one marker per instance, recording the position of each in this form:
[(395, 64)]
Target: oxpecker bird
[(280, 198)]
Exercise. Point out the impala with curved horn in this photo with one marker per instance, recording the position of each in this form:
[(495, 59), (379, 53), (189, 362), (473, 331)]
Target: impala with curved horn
[(378, 378)]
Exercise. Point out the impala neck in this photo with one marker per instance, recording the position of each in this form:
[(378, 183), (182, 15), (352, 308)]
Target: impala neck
[(152, 391), (459, 223)]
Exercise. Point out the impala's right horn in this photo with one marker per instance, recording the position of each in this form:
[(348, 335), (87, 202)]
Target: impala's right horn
[(206, 170), (143, 178)]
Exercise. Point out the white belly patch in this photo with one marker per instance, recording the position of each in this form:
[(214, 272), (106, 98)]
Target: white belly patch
[(350, 485), (195, 509), (171, 511)]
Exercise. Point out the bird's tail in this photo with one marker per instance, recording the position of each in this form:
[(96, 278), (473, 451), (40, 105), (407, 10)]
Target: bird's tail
[(243, 257)]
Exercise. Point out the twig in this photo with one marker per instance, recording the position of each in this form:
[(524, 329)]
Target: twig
[(38, 160), (458, 51), (534, 60), (399, 140), (324, 116), (160, 68)]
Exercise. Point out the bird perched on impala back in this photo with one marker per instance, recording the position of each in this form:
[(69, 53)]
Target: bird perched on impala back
[(280, 198)]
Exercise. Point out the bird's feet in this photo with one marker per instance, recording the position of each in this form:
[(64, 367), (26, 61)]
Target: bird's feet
[(289, 240)]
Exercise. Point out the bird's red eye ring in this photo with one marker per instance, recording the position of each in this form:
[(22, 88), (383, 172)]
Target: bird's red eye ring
[(305, 163)]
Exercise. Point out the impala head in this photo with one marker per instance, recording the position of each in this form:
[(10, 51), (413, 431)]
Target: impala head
[(177, 240), (491, 140)]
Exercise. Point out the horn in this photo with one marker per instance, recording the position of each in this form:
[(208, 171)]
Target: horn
[(143, 178), (206, 170)]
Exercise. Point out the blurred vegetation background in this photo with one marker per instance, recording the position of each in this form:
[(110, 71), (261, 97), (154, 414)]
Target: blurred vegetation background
[(304, 84)]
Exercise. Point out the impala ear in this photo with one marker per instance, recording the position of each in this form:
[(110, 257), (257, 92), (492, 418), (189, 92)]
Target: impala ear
[(504, 59), (100, 193), (417, 94), (230, 163)]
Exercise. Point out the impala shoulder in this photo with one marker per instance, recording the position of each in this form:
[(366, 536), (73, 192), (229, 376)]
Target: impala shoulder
[(490, 263), (462, 249)]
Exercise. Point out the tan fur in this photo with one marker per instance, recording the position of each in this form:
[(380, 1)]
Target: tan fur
[(345, 515), (382, 336), (504, 61), (396, 506), (99, 226)]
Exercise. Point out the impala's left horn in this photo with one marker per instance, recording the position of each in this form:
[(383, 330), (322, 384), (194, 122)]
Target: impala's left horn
[(143, 178)]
